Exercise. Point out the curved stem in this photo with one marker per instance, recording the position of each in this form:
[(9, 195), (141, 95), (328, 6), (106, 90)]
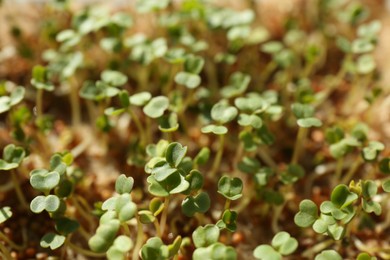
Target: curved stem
[(5, 251), (164, 215), (352, 170), (140, 238), (226, 207), (10, 242), (75, 102), (157, 227), (18, 191), (339, 170), (82, 212), (218, 157), (83, 251), (309, 253), (299, 144), (140, 128)]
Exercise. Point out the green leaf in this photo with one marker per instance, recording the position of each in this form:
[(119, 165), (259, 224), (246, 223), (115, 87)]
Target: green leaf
[(175, 183), (266, 252), (168, 123), (302, 110), (271, 47), (205, 236), (199, 203), (154, 249), (328, 255), (284, 243), (125, 208), (238, 83), (215, 251), (250, 120), (365, 256), (195, 178), (5, 213), (187, 79), (162, 171), (124, 184), (156, 106), (362, 45), (228, 221), (193, 64), (365, 64), (384, 165), (114, 78), (386, 186), (156, 206), (372, 151), (307, 215), (40, 78), (52, 240), (175, 153), (65, 225), (44, 180), (342, 197), (13, 154), (105, 235), (223, 113), (175, 246), (146, 216), (5, 104), (215, 129), (140, 99), (309, 122), (203, 156), (230, 188), (17, 95), (50, 203)]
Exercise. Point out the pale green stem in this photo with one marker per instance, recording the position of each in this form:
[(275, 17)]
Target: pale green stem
[(267, 159), (218, 157), (126, 229), (164, 215), (352, 170), (83, 251), (39, 103), (310, 252), (299, 143), (5, 251), (10, 242), (82, 212), (226, 207), (18, 190), (139, 241), (75, 102), (275, 217), (157, 227), (339, 170), (140, 128), (271, 66)]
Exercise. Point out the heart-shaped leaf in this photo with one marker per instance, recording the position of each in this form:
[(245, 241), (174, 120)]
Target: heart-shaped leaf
[(124, 184), (215, 129), (193, 64), (342, 197), (140, 99), (328, 255), (156, 106), (205, 236), (52, 240), (187, 79), (309, 122), (114, 78), (284, 243), (50, 203), (44, 180), (230, 188), (223, 113), (266, 252), (215, 251), (199, 203), (175, 153), (307, 215)]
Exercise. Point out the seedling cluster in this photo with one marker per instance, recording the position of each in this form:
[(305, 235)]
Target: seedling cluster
[(191, 130)]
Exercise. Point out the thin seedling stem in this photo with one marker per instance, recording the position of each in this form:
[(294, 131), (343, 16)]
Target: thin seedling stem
[(10, 242), (139, 241), (83, 251), (352, 170), (39, 103), (218, 157), (339, 170), (6, 253), (299, 143), (18, 190), (164, 215), (74, 102), (139, 126), (157, 227)]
